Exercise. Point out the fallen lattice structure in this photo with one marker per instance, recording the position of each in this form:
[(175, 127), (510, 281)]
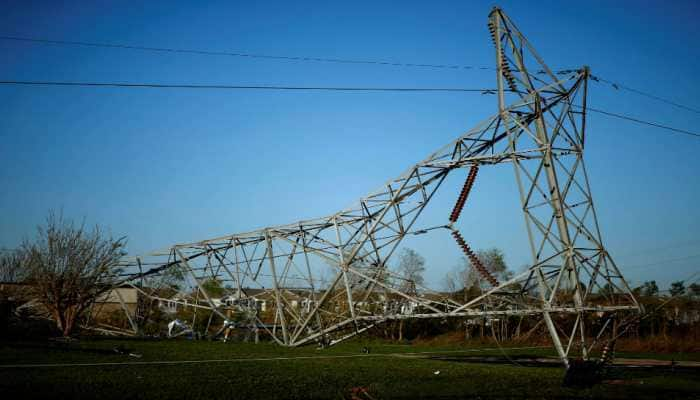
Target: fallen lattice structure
[(539, 129)]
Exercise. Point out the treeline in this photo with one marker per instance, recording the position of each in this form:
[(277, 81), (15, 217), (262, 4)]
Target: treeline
[(670, 319), (68, 266)]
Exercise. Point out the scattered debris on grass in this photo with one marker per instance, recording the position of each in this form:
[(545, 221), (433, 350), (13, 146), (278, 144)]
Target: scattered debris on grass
[(360, 393), (120, 349)]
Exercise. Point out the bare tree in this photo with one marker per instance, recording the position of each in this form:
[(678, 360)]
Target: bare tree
[(468, 275), (69, 267), (450, 282), (411, 266), (11, 273), (11, 270)]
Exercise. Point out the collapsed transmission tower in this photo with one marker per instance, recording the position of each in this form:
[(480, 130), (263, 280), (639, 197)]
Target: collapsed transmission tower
[(539, 129)]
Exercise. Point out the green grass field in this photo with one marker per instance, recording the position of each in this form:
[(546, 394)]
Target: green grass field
[(214, 370)]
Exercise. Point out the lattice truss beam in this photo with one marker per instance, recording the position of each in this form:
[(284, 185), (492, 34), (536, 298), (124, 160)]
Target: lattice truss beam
[(328, 278)]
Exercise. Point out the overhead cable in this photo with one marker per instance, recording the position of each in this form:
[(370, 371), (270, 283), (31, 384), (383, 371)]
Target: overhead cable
[(639, 121), (241, 54), (596, 78), (317, 88), (243, 87)]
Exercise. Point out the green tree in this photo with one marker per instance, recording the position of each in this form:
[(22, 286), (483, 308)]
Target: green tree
[(607, 290), (493, 260), (649, 289), (213, 287), (677, 288)]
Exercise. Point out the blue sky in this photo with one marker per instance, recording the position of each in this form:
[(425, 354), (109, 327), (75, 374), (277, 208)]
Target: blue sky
[(169, 166)]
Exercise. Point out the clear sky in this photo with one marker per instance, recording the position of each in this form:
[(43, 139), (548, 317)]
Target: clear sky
[(169, 166)]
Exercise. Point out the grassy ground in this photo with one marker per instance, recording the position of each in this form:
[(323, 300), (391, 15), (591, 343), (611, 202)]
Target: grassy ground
[(235, 371)]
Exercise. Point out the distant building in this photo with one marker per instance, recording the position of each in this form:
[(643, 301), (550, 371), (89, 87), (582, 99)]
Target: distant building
[(117, 299)]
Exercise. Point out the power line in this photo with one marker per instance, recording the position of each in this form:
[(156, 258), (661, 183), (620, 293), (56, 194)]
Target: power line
[(612, 84), (639, 121), (242, 87), (618, 86), (314, 88), (241, 54)]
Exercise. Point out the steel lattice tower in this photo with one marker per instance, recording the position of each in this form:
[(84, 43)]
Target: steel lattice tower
[(539, 129)]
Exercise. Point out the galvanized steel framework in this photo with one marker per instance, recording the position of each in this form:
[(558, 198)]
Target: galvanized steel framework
[(539, 129)]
